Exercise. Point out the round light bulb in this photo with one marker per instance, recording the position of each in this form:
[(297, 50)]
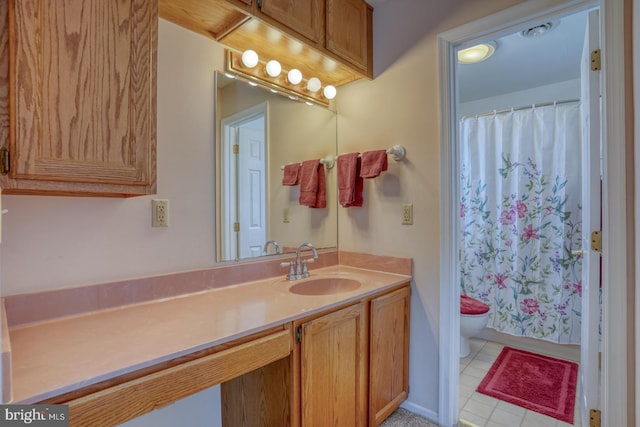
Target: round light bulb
[(314, 84), (294, 76), (273, 68), (249, 58), (329, 92)]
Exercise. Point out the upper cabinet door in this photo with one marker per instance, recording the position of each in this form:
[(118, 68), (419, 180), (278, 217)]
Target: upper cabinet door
[(349, 32), (84, 91), (305, 17)]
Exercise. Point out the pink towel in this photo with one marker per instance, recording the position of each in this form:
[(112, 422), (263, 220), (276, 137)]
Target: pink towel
[(373, 163), (350, 184), (309, 182), (291, 173)]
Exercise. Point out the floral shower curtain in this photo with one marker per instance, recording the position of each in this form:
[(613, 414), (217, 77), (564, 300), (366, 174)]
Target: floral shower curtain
[(520, 213)]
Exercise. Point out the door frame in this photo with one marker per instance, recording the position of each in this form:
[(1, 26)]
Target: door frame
[(228, 174), (614, 265)]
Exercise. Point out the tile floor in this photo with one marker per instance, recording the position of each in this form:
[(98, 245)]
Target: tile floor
[(484, 411)]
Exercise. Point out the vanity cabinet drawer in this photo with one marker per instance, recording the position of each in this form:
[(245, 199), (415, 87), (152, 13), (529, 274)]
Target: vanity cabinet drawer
[(136, 397)]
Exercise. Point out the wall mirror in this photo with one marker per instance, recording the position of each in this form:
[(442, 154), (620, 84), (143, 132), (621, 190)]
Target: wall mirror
[(257, 133)]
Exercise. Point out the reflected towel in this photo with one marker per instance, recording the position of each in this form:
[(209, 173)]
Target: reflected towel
[(321, 196), (291, 173), (309, 182), (350, 184), (373, 163)]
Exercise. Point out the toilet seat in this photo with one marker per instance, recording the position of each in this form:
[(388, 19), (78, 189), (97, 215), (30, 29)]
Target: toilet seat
[(472, 306)]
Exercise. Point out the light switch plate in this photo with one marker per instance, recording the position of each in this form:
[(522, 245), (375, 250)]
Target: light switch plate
[(407, 214)]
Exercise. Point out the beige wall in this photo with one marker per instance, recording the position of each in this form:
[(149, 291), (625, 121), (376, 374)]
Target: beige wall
[(400, 106)]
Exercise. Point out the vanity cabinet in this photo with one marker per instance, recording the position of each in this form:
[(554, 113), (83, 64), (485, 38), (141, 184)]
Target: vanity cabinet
[(388, 353), (348, 367), (333, 368), (81, 97)]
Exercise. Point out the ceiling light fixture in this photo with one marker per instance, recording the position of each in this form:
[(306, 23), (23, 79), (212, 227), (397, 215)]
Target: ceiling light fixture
[(294, 76), (477, 53), (250, 58), (273, 68)]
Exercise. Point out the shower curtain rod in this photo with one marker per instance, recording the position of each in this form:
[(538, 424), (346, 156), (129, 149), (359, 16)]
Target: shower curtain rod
[(524, 107)]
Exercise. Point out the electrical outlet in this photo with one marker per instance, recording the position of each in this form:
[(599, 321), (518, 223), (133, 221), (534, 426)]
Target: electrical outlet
[(285, 215), (160, 213), (407, 214)]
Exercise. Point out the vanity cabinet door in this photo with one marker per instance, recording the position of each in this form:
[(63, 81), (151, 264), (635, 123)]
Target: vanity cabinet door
[(389, 353), (334, 369), (349, 32), (83, 97), (306, 17)]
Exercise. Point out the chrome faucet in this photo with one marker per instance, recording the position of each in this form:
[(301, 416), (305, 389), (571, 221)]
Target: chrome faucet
[(275, 245), (298, 269)]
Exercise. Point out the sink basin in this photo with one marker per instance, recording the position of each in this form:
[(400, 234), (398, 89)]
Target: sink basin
[(325, 286)]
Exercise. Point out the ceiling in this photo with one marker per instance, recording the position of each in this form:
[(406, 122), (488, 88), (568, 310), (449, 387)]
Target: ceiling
[(521, 63)]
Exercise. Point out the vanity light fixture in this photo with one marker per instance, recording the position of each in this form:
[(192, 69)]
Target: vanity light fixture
[(294, 76), (329, 92), (273, 68), (291, 84), (314, 84), (477, 53), (250, 58)]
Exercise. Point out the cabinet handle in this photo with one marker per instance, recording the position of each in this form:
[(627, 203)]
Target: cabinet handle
[(298, 334), (259, 3), (5, 164)]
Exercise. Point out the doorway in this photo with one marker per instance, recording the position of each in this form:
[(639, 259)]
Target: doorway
[(512, 20), (244, 183)]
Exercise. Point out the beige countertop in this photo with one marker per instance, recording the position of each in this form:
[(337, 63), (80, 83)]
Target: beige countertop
[(53, 357)]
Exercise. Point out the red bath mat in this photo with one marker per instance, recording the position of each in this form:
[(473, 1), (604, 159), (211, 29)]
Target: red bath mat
[(540, 383)]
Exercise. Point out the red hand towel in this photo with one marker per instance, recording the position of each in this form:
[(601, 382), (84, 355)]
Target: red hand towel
[(321, 196), (373, 163), (291, 173), (309, 182), (350, 184)]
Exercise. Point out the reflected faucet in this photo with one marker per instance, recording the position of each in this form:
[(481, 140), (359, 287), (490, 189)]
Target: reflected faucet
[(275, 245)]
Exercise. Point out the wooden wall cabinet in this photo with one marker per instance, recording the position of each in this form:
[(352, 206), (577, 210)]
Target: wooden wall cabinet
[(306, 17), (81, 97), (328, 39), (349, 32), (342, 27)]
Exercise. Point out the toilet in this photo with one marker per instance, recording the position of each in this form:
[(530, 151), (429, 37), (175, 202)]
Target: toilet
[(474, 315)]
